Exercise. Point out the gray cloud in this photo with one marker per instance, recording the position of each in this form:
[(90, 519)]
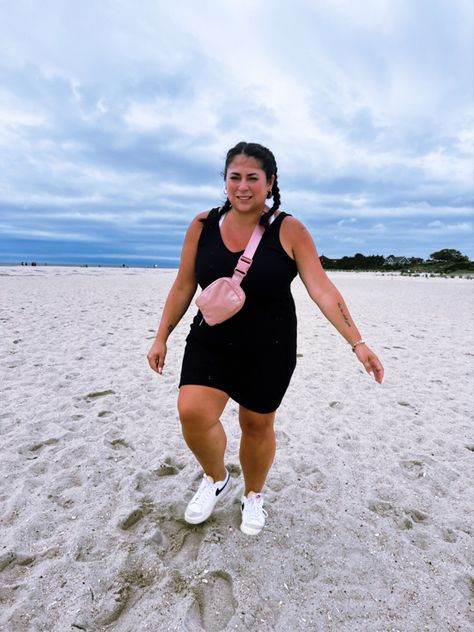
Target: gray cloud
[(114, 122)]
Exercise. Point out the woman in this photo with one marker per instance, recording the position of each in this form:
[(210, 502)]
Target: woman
[(250, 357)]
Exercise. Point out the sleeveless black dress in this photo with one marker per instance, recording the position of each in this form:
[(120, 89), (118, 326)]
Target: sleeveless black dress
[(252, 355)]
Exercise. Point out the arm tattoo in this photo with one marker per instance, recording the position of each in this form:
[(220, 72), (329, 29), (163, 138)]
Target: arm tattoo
[(170, 328), (344, 315)]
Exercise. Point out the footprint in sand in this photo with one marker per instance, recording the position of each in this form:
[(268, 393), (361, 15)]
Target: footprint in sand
[(13, 558), (167, 467), (109, 606), (88, 548), (406, 405), (95, 394), (214, 603), (43, 444), (189, 548), (403, 518), (116, 444), (414, 515), (104, 413), (130, 519), (183, 543), (312, 476), (381, 507), (413, 468), (449, 535)]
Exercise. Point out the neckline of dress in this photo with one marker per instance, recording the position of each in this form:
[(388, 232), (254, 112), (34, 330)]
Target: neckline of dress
[(239, 252), (270, 221)]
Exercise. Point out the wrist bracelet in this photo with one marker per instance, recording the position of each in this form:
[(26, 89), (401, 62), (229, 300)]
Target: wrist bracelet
[(359, 342)]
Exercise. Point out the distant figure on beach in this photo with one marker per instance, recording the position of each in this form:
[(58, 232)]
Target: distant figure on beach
[(251, 356)]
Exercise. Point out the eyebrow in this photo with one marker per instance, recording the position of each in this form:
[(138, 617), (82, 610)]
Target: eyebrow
[(237, 173)]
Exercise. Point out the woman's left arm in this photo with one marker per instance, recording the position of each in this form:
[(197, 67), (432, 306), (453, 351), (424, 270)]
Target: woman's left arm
[(324, 293)]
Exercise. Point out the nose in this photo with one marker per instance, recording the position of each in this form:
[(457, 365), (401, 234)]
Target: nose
[(243, 186)]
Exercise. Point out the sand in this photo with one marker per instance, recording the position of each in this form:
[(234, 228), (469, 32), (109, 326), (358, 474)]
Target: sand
[(369, 499)]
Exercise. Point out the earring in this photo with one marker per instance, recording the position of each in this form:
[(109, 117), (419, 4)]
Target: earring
[(269, 194)]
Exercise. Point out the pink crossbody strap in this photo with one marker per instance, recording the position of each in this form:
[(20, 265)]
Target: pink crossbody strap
[(245, 260)]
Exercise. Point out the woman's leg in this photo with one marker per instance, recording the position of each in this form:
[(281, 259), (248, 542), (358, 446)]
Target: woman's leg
[(200, 408), (257, 447)]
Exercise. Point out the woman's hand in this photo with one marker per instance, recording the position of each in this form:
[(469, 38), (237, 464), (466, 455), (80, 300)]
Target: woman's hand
[(370, 361), (156, 356)]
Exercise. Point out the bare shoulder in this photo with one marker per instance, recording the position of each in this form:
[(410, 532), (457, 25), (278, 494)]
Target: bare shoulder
[(195, 227), (190, 245), (197, 220), (293, 228), (291, 222), (296, 238), (202, 215), (291, 231)]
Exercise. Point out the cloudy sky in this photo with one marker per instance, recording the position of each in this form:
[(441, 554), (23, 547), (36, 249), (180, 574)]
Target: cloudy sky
[(115, 118)]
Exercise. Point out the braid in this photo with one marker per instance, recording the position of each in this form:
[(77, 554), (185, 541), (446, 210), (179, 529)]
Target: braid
[(226, 207), (275, 188), (222, 210), (276, 196)]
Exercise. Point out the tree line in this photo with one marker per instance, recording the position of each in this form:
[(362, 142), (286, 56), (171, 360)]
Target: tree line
[(441, 261)]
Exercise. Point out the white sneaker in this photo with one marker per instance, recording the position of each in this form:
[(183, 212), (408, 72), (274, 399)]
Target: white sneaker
[(204, 500), (253, 514)]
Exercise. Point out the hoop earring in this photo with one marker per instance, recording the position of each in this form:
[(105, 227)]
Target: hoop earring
[(269, 194)]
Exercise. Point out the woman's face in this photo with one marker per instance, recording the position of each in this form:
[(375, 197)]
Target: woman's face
[(247, 184)]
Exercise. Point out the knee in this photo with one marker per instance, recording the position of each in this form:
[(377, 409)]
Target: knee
[(257, 425), (188, 412), (194, 417)]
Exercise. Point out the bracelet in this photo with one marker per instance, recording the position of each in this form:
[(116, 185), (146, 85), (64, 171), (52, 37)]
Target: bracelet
[(359, 342)]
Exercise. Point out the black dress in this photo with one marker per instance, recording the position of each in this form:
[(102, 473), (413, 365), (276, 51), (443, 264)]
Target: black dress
[(252, 355)]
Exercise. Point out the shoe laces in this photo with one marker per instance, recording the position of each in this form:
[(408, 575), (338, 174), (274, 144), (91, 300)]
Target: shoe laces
[(254, 507), (205, 491)]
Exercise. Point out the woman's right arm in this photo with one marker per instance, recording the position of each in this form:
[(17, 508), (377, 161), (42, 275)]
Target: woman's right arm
[(180, 295)]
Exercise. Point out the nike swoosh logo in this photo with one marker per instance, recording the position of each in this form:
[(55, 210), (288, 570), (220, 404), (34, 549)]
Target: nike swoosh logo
[(218, 491)]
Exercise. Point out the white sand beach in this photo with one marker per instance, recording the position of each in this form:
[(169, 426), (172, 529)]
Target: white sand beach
[(369, 500)]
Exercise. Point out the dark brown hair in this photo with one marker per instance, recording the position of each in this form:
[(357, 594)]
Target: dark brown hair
[(269, 166)]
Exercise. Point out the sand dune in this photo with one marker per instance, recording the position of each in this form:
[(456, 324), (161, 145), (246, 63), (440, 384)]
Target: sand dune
[(369, 499)]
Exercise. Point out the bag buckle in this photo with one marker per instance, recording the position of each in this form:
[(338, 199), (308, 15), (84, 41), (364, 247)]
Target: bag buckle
[(247, 261)]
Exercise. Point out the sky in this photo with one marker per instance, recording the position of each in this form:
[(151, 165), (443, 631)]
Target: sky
[(116, 116)]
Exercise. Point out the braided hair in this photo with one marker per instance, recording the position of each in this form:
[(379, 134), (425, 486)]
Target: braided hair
[(269, 166)]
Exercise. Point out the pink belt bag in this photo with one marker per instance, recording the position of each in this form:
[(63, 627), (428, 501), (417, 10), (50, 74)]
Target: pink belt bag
[(224, 297)]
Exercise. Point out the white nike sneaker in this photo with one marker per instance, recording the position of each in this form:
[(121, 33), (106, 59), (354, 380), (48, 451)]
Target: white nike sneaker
[(253, 514), (204, 500)]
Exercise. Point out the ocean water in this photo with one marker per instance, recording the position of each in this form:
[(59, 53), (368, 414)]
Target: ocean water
[(159, 262)]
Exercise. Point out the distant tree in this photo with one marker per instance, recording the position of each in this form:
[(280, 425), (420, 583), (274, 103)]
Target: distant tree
[(326, 262), (448, 255), (464, 264), (375, 261)]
